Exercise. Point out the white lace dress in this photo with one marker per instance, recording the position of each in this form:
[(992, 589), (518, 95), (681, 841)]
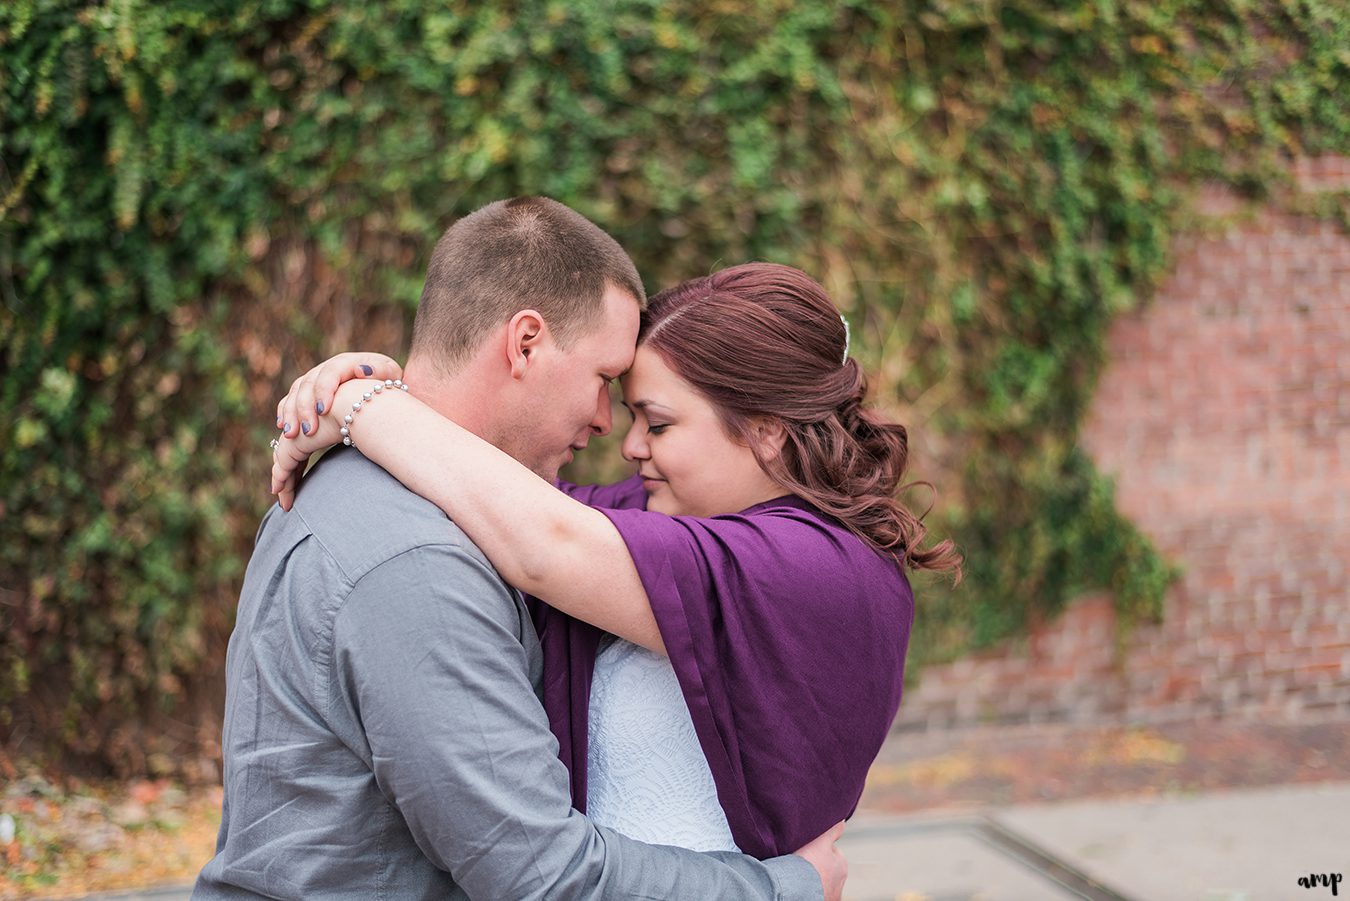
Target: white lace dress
[(646, 774)]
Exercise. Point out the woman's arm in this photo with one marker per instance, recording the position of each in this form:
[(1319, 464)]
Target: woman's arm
[(539, 539)]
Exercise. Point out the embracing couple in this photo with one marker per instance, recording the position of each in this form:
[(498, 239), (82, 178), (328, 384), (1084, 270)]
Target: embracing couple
[(453, 675)]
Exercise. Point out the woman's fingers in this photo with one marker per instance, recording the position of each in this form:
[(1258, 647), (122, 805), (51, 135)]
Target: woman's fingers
[(290, 413), (282, 465), (345, 367), (286, 493), (288, 461), (311, 395), (303, 395), (292, 451)]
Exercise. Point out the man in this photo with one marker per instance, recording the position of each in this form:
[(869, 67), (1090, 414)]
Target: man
[(383, 736)]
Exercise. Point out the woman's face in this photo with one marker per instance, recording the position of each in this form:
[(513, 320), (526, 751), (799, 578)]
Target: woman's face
[(689, 464)]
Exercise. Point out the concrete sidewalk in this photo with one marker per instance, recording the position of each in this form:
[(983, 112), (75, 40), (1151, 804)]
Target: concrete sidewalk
[(1242, 845)]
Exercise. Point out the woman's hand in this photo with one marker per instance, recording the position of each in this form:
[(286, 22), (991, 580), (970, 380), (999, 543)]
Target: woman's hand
[(311, 395), (304, 420), (290, 454)]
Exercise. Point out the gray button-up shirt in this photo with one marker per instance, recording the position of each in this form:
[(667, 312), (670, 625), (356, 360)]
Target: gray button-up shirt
[(383, 733)]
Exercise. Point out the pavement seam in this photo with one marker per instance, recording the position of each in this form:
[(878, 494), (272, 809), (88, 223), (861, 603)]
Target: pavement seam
[(1028, 854), (1006, 843)]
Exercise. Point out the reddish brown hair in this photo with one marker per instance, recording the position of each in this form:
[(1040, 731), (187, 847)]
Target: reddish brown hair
[(764, 341)]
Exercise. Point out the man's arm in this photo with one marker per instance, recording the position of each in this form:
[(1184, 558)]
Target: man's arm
[(430, 660)]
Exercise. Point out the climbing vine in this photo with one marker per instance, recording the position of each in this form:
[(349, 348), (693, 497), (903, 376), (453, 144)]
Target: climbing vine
[(198, 199)]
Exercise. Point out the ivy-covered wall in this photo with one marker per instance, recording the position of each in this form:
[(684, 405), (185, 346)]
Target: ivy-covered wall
[(198, 199)]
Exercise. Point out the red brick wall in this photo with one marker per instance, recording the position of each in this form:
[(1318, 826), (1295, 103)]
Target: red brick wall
[(1224, 416)]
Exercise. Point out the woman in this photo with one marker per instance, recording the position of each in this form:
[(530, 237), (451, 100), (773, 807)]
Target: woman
[(759, 545)]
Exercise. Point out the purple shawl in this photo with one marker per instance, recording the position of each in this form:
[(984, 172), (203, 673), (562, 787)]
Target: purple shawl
[(788, 636)]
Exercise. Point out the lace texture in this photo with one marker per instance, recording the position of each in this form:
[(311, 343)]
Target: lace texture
[(646, 774)]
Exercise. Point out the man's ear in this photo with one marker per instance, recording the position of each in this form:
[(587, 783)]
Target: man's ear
[(525, 334)]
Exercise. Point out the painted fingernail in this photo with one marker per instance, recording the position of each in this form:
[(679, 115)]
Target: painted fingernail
[(304, 427), (366, 369), (318, 408), (286, 427)]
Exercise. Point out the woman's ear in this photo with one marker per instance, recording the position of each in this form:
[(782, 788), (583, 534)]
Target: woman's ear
[(768, 435), (525, 333)]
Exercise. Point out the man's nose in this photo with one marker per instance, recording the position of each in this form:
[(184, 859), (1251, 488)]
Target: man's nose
[(604, 414)]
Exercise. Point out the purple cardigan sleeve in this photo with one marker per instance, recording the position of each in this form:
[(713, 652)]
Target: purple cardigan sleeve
[(788, 635)]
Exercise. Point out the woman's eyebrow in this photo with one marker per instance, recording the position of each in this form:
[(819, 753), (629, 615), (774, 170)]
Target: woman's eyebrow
[(644, 404)]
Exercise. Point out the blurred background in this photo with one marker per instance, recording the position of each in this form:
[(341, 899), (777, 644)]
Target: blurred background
[(1094, 254)]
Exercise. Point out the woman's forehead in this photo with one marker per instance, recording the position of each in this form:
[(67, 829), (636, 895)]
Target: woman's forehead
[(651, 382)]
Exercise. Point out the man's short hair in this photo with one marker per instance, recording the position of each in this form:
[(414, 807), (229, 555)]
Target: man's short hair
[(511, 255)]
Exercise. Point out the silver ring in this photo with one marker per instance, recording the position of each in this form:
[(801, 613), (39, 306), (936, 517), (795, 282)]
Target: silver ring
[(273, 443)]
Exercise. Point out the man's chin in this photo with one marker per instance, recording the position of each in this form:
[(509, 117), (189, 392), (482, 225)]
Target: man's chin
[(548, 469), (546, 472)]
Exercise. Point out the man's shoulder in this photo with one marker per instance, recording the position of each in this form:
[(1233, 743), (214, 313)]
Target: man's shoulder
[(363, 517)]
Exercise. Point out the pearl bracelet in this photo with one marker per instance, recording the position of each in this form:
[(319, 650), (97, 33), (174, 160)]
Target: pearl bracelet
[(365, 399)]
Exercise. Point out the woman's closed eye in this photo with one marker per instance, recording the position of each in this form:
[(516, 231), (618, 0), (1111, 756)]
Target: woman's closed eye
[(656, 428)]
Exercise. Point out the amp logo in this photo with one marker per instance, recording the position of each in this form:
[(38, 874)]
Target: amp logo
[(1329, 880)]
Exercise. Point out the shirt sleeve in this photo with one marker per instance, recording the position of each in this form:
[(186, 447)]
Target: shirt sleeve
[(788, 635), (428, 651)]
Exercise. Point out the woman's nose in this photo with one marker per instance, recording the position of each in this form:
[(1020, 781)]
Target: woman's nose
[(634, 446)]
